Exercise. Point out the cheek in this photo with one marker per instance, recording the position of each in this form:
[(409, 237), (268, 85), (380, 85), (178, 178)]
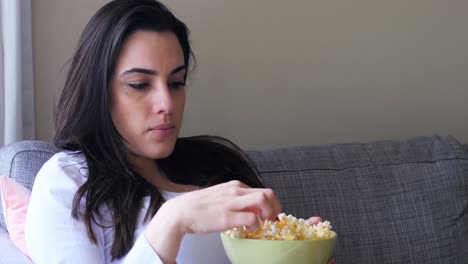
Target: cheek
[(123, 116), (181, 103), (179, 115), (118, 120)]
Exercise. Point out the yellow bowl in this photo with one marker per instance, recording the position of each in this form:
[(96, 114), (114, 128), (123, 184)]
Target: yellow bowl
[(255, 251)]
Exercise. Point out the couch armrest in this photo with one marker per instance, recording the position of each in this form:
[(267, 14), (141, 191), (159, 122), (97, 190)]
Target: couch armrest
[(22, 160), (10, 254)]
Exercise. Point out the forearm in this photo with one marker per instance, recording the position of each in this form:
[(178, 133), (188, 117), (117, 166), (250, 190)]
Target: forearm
[(164, 236)]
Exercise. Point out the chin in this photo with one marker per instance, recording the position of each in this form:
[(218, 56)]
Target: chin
[(160, 152)]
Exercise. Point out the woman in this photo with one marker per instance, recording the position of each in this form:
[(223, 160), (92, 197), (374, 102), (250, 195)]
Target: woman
[(125, 188)]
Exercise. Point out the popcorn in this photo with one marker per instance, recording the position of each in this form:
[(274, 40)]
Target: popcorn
[(286, 228)]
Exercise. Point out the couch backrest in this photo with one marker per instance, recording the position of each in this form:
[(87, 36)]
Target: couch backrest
[(21, 161), (389, 201)]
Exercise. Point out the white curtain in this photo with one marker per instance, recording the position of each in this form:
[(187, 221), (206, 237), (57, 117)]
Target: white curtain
[(16, 72)]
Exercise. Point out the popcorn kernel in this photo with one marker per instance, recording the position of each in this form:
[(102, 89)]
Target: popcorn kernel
[(286, 228)]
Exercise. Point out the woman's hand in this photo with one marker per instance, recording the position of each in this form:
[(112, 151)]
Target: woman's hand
[(214, 209), (313, 221), (223, 207)]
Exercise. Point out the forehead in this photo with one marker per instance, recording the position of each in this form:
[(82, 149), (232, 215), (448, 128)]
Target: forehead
[(150, 49)]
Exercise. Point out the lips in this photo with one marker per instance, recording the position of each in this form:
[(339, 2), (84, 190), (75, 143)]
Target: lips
[(162, 127), (162, 130)]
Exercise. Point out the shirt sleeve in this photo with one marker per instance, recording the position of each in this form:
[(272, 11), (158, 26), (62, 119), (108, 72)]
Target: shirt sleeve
[(54, 236)]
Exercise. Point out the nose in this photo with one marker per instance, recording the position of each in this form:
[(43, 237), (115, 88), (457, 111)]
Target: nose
[(162, 101)]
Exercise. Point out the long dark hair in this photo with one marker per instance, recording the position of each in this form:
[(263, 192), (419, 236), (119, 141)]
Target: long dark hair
[(83, 123)]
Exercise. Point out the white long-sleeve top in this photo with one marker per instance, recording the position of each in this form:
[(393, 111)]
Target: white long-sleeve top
[(54, 236)]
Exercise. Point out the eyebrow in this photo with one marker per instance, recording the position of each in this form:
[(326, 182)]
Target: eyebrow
[(152, 72)]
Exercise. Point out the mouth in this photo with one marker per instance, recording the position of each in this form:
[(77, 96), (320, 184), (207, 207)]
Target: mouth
[(162, 127), (162, 130)]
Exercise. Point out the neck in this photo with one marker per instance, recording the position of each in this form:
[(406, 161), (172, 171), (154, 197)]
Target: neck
[(149, 169)]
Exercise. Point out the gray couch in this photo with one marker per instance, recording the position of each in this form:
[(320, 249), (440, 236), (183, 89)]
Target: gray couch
[(389, 201)]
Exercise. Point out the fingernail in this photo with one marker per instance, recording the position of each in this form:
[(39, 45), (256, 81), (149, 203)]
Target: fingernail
[(251, 228), (259, 219)]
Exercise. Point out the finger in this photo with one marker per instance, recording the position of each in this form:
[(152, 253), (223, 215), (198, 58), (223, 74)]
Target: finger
[(227, 185), (257, 203), (238, 219), (248, 190), (270, 195), (237, 188), (236, 183), (276, 203), (231, 188), (314, 220), (331, 261)]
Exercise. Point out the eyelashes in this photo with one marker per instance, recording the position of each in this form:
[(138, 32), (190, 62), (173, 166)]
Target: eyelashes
[(176, 85), (138, 86), (144, 85)]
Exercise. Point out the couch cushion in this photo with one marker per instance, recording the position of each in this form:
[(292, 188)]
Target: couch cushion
[(389, 201), (15, 202), (10, 254), (22, 160)]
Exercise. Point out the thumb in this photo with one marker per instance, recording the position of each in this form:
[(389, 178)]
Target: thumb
[(314, 220)]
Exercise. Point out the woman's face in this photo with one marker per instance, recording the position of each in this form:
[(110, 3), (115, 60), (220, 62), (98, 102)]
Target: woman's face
[(148, 93)]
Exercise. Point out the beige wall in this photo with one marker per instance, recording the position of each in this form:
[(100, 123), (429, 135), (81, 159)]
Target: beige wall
[(57, 25), (278, 73)]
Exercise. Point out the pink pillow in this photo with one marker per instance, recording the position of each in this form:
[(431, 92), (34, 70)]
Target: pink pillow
[(15, 202)]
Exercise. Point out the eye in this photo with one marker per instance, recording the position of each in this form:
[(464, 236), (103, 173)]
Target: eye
[(176, 85), (138, 86)]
